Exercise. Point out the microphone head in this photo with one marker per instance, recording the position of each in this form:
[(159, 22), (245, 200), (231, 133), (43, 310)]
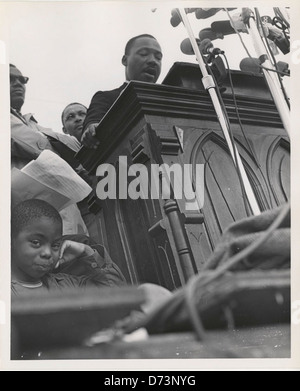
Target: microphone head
[(204, 13), (250, 65), (283, 67), (187, 48), (210, 34), (205, 44), (176, 18), (190, 10), (278, 37), (222, 27)]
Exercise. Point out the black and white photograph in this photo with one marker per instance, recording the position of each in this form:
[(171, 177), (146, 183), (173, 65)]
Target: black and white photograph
[(149, 182)]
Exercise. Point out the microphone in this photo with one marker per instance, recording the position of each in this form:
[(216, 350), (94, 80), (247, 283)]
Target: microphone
[(204, 13), (283, 67), (207, 47), (176, 18), (278, 37), (227, 27), (209, 33), (252, 65), (223, 27), (186, 46)]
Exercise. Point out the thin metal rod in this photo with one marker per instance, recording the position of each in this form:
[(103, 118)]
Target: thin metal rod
[(211, 88), (272, 82), (283, 13)]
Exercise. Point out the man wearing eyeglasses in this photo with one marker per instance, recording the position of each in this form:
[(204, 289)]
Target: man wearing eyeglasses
[(29, 139), (17, 88)]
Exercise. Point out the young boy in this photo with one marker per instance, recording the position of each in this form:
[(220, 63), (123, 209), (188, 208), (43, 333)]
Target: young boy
[(38, 252)]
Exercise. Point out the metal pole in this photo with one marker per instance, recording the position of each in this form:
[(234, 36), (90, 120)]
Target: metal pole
[(270, 76), (285, 15), (210, 86)]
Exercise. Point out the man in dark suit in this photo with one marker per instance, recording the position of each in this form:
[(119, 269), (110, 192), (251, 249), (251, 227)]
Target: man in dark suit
[(142, 61)]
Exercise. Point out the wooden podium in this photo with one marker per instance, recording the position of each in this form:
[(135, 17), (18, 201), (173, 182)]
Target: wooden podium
[(159, 241)]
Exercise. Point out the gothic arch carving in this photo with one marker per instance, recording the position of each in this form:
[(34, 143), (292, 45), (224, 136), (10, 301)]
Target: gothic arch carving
[(278, 170), (224, 201)]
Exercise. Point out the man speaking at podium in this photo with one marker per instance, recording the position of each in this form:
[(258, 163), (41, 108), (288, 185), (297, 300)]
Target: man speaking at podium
[(142, 60)]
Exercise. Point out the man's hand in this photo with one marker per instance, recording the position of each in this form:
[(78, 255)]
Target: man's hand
[(89, 139), (70, 250)]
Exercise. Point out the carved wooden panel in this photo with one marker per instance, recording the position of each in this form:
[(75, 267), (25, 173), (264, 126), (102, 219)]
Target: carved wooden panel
[(278, 166), (267, 167), (135, 235), (150, 258), (140, 153), (170, 276), (155, 124), (141, 255), (223, 200)]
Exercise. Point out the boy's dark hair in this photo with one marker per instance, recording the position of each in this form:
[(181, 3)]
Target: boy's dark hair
[(131, 42), (27, 211), (71, 104)]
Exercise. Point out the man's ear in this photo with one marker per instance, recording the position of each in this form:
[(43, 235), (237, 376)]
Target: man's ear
[(124, 60)]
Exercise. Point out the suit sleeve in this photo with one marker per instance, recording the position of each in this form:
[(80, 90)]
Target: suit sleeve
[(98, 272), (98, 269), (25, 143), (99, 106)]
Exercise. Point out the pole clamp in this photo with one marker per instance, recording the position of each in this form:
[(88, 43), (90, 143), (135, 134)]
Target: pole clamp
[(208, 82)]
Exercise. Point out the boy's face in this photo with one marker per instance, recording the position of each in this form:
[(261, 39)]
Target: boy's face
[(35, 250)]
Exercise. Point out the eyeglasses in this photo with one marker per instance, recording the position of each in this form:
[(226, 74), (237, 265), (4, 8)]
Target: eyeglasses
[(21, 79)]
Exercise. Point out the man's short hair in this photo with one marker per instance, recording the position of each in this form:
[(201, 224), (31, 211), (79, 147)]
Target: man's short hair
[(71, 104), (27, 211), (131, 42)]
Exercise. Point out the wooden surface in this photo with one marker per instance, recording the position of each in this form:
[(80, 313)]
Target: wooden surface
[(143, 126), (245, 314), (188, 75), (68, 317), (264, 342)]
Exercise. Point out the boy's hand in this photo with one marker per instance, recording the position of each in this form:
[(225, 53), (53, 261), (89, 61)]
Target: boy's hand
[(70, 250)]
